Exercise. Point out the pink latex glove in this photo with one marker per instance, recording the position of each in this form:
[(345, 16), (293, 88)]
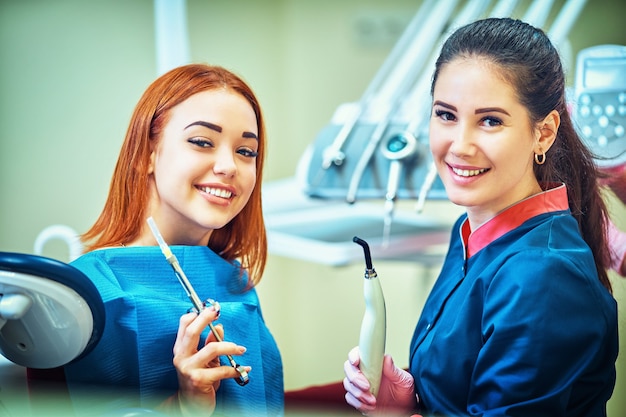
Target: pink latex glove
[(616, 180), (617, 244), (396, 395)]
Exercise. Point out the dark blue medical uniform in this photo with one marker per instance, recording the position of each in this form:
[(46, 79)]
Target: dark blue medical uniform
[(517, 323)]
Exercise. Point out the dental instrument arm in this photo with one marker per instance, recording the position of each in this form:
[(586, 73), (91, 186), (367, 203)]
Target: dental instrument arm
[(400, 147), (393, 69), (416, 50), (243, 378)]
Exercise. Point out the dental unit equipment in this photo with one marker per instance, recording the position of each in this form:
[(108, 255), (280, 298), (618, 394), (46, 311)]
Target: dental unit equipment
[(374, 324), (393, 69), (399, 83), (396, 102), (401, 148), (243, 378), (398, 149)]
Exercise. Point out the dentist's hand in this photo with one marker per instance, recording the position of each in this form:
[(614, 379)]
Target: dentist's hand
[(617, 245), (615, 180), (199, 370), (396, 395)]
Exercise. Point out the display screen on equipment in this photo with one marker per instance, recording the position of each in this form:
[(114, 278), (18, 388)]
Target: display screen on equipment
[(601, 73)]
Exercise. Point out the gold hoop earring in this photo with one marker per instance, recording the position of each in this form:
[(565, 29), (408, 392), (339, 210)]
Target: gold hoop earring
[(540, 159)]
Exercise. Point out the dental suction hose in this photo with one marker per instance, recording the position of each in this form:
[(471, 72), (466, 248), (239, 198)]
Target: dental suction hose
[(374, 324)]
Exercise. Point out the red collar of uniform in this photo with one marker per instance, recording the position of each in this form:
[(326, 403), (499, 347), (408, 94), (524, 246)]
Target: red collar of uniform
[(553, 199)]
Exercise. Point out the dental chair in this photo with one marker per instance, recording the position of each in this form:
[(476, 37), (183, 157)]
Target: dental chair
[(51, 314)]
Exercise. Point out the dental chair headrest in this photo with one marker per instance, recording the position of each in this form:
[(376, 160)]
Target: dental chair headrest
[(50, 313)]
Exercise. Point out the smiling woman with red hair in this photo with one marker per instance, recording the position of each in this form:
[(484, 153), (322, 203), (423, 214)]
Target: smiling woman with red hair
[(192, 160), (124, 213)]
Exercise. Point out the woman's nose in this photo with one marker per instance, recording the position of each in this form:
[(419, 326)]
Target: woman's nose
[(225, 163), (462, 142)]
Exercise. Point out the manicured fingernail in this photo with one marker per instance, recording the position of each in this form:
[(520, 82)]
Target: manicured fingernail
[(361, 382), (353, 357), (213, 305)]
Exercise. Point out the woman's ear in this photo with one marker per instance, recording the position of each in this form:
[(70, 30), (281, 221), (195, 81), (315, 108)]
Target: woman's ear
[(151, 163), (546, 132)]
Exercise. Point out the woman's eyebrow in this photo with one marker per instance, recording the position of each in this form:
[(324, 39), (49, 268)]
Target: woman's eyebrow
[(218, 128), (491, 109), (477, 111), (205, 124), (446, 105)]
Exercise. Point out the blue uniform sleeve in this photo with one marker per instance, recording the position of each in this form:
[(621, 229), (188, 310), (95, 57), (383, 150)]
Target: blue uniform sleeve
[(545, 327)]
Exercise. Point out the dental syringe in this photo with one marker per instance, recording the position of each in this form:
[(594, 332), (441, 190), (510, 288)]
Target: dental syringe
[(243, 378)]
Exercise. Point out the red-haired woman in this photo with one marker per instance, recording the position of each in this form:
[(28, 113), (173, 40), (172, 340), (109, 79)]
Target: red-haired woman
[(192, 160)]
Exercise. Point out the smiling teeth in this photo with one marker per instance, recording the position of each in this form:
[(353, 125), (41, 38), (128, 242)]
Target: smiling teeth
[(468, 172), (218, 192)]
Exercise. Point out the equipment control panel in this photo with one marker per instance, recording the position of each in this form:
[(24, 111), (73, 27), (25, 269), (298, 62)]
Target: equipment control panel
[(600, 94)]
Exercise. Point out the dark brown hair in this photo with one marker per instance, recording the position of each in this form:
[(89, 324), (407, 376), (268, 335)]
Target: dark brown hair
[(527, 60)]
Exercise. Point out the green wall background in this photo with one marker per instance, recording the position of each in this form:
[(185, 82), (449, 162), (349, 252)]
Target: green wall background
[(71, 72)]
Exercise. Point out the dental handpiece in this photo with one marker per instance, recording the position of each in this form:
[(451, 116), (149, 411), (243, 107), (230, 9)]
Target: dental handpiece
[(395, 173), (429, 180), (398, 149), (243, 378), (374, 324)]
